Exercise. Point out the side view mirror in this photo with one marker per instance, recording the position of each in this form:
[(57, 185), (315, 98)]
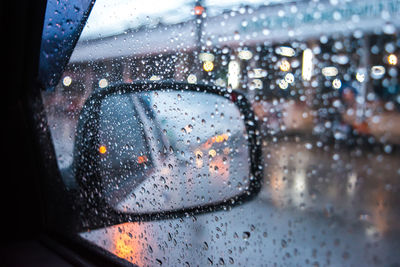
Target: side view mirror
[(154, 149)]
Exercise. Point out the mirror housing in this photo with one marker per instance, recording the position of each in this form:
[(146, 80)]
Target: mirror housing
[(94, 170)]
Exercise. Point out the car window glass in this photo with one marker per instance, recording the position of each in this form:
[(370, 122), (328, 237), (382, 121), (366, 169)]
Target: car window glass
[(322, 79)]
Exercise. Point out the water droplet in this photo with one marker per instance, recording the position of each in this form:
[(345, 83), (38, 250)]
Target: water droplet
[(246, 235)]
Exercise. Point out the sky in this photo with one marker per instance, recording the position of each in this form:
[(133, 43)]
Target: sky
[(110, 17), (114, 16)]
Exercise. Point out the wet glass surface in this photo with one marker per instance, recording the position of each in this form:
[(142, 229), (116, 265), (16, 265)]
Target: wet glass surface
[(322, 79), (319, 207)]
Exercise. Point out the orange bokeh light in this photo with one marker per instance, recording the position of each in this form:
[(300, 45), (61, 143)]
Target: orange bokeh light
[(102, 149), (142, 159), (198, 10)]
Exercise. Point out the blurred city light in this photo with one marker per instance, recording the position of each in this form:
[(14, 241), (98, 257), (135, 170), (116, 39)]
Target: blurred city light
[(212, 152), (208, 66), (192, 78), (67, 81), (392, 59), (307, 65), (199, 158), (103, 83), (256, 84), (198, 154), (142, 159), (155, 78), (102, 149), (360, 77), (283, 84), (377, 72), (245, 55), (219, 138), (233, 74), (330, 71), (206, 57), (289, 77), (285, 51), (188, 128), (198, 10), (284, 65), (257, 73), (336, 83)]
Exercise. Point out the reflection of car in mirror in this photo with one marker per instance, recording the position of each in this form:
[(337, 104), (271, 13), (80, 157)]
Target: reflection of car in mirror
[(139, 158), (126, 138)]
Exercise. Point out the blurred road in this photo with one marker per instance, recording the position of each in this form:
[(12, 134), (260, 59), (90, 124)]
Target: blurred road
[(320, 205)]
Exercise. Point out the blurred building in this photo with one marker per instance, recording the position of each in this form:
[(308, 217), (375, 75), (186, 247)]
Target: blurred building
[(330, 72)]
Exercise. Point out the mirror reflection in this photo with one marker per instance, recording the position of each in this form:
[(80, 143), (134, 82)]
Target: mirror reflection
[(169, 150)]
